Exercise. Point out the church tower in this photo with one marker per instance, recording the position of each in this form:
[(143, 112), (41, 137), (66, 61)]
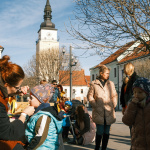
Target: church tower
[(47, 42), (47, 34)]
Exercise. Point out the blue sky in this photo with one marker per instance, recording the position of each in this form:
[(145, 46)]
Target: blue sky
[(20, 21)]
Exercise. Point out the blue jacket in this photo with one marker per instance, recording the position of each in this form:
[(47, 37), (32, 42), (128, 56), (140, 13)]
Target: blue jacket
[(55, 127), (66, 120)]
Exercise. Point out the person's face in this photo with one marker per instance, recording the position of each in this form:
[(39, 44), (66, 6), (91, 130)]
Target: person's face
[(105, 75), (59, 89), (139, 94), (67, 107), (13, 89), (54, 84), (33, 101)]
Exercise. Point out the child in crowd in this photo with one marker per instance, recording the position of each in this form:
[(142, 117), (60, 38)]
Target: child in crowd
[(65, 113), (44, 126), (61, 103), (137, 115), (60, 88)]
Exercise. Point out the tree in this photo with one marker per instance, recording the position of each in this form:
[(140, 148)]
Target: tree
[(109, 24), (142, 67), (46, 65), (31, 77)]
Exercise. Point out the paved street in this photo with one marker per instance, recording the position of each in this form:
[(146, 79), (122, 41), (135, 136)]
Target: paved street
[(119, 137)]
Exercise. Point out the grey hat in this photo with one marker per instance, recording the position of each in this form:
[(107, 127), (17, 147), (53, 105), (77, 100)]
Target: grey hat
[(43, 92)]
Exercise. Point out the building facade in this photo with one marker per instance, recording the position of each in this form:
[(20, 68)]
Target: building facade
[(80, 84)]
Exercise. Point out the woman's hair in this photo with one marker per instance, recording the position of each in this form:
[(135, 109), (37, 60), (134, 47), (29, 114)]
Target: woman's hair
[(10, 73), (80, 114), (61, 88), (128, 70), (102, 69)]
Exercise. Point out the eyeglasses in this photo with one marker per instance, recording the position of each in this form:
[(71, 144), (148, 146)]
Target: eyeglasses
[(17, 88), (54, 84)]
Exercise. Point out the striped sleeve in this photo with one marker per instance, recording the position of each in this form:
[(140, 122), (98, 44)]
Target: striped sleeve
[(41, 131)]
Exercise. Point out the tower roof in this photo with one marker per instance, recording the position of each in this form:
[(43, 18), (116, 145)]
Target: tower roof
[(47, 24)]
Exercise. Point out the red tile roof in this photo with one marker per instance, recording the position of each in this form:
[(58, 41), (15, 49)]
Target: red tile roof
[(78, 78), (88, 80), (114, 56), (140, 51)]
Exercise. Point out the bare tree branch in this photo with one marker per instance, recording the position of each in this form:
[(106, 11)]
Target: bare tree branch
[(110, 24), (46, 65)]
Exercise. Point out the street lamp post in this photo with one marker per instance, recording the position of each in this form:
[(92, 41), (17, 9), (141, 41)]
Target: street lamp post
[(70, 72), (72, 62)]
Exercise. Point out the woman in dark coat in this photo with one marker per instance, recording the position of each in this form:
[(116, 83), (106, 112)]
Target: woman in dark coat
[(11, 133), (126, 89)]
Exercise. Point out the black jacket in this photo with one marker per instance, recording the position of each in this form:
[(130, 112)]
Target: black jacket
[(127, 96), (86, 120), (10, 131)]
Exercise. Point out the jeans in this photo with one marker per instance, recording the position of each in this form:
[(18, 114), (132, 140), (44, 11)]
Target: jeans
[(102, 129)]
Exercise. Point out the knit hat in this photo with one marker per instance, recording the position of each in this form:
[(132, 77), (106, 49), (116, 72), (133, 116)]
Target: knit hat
[(43, 92), (143, 84)]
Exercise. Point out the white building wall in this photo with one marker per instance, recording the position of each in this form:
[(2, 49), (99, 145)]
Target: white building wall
[(77, 91), (95, 73)]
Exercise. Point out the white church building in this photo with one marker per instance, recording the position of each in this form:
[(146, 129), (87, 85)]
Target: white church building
[(47, 38)]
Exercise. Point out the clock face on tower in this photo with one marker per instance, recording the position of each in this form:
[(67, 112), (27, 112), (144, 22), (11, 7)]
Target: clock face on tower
[(48, 34)]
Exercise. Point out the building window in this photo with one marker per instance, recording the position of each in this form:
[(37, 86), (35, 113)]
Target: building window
[(92, 77), (66, 91), (115, 72), (74, 90), (81, 91)]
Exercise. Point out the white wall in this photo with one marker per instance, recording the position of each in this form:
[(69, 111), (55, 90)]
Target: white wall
[(77, 91), (94, 72)]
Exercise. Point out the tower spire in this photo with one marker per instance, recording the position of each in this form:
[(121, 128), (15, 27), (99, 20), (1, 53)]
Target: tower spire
[(47, 11), (47, 24)]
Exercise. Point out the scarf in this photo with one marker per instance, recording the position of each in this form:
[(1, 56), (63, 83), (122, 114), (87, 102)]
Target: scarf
[(4, 101)]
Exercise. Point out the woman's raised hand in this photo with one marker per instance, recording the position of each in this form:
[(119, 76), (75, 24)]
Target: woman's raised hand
[(24, 90)]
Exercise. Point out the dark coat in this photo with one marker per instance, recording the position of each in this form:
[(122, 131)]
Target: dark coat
[(86, 120), (127, 96), (10, 131), (88, 132)]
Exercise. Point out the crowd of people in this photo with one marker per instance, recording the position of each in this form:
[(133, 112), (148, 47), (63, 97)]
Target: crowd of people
[(50, 117)]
